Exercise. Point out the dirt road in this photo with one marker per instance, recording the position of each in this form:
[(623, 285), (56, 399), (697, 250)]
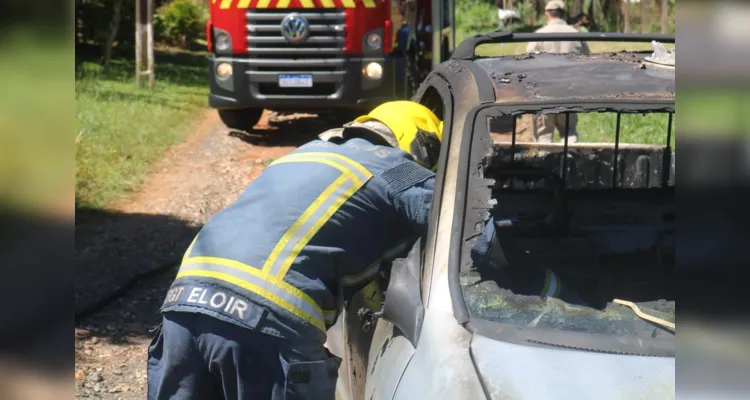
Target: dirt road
[(137, 244)]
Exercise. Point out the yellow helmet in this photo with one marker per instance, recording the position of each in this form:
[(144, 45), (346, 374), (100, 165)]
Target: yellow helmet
[(417, 130)]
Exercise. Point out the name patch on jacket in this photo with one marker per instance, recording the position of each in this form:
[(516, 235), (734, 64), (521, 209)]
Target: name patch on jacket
[(221, 301)]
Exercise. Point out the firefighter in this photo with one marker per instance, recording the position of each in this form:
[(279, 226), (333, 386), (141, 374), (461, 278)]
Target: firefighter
[(247, 314), (265, 278)]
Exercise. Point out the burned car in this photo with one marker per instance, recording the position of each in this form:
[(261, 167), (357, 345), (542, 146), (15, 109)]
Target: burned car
[(598, 212)]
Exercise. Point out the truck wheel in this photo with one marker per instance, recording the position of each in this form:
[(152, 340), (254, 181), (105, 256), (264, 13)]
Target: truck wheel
[(242, 119)]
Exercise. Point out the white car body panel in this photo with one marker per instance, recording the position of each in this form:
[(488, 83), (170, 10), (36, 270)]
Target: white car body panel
[(389, 356), (519, 372), (441, 368)]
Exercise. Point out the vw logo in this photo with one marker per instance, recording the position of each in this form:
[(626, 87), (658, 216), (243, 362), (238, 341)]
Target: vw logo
[(295, 28)]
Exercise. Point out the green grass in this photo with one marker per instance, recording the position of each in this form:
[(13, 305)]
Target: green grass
[(715, 112), (634, 128), (474, 17), (121, 129)]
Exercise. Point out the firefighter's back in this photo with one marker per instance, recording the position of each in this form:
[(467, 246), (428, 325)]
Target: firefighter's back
[(309, 226)]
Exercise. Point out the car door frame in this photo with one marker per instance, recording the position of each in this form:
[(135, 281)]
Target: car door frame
[(390, 349), (383, 348)]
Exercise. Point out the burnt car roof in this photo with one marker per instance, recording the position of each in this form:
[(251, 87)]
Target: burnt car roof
[(560, 77), (557, 78)]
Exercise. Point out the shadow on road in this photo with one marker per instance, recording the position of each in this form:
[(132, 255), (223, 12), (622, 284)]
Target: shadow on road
[(287, 129), (116, 253), (125, 262)]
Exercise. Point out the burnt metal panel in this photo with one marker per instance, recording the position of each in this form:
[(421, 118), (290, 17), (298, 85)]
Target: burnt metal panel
[(591, 167), (567, 77)]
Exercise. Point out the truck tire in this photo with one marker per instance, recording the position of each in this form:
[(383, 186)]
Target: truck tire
[(242, 119)]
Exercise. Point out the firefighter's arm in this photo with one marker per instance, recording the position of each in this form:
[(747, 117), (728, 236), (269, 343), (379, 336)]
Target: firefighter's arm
[(487, 251), (411, 187)]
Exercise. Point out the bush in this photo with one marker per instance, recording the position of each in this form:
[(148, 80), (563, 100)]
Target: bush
[(181, 22), (475, 17)]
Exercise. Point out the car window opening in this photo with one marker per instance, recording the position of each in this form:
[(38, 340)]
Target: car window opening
[(581, 219)]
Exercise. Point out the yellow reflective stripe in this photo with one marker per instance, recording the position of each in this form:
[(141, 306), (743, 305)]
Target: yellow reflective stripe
[(271, 260), (369, 3), (362, 170), (546, 282), (260, 274), (282, 4), (189, 249), (328, 3), (257, 290), (243, 4), (348, 3), (225, 4), (263, 3), (305, 158), (330, 316), (358, 169), (551, 285), (307, 3), (338, 202)]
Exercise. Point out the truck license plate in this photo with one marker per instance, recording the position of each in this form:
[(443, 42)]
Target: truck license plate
[(295, 81)]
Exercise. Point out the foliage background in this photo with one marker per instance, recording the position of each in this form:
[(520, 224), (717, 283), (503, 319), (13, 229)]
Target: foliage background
[(479, 16), (176, 22)]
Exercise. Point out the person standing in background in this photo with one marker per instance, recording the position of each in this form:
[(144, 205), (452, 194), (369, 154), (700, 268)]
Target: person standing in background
[(545, 124), (554, 11)]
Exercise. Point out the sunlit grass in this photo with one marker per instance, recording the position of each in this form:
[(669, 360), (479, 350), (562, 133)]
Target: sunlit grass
[(122, 129), (634, 128)]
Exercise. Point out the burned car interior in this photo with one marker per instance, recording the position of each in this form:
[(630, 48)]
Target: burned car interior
[(604, 227), (599, 215)]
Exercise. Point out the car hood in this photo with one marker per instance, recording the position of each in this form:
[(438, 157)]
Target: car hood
[(520, 372)]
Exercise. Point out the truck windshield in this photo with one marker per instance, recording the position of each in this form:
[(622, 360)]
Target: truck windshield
[(584, 229)]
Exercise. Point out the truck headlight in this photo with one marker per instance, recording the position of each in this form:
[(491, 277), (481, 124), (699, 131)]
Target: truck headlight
[(373, 71), (224, 70), (223, 42), (374, 41)]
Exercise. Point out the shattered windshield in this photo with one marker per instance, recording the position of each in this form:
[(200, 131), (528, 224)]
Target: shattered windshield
[(579, 234)]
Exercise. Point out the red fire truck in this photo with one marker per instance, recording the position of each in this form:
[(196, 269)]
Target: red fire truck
[(321, 54)]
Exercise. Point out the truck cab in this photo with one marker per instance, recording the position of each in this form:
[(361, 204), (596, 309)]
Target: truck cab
[(321, 54)]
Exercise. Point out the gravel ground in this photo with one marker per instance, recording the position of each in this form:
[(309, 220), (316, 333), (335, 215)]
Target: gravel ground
[(147, 233)]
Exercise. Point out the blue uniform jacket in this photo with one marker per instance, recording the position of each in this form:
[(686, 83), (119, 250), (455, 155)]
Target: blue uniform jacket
[(315, 223)]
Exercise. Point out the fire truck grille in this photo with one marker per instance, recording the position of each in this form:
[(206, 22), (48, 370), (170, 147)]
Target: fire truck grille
[(321, 55), (266, 41)]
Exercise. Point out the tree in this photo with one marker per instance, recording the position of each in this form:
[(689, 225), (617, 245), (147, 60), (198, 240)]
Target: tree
[(144, 41), (114, 27)]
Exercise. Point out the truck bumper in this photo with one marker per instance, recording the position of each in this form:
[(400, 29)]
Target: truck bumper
[(342, 85)]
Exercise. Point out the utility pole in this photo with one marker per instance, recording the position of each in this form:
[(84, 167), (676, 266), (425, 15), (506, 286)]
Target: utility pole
[(144, 41), (626, 15), (664, 15), (644, 16)]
